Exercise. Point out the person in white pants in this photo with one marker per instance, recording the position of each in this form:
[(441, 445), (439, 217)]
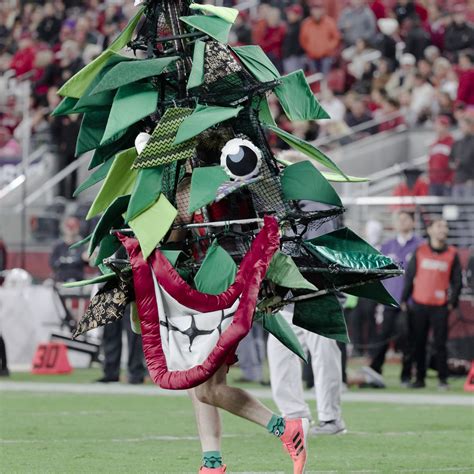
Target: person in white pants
[(286, 378)]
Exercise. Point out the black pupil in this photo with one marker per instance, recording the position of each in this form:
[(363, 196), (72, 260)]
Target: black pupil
[(243, 162)]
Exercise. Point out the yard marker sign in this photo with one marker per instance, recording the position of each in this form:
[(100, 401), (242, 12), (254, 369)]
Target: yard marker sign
[(51, 358)]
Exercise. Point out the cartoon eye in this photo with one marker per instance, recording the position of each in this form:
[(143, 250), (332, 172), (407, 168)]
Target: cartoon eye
[(241, 159)]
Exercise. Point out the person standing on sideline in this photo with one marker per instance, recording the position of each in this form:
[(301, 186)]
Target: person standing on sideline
[(400, 249), (286, 378), (433, 281), (112, 345)]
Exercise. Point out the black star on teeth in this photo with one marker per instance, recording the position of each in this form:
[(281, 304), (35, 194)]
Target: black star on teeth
[(193, 331), (223, 318)]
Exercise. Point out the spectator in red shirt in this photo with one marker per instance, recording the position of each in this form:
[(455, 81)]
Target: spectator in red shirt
[(389, 108), (421, 11), (412, 185), (378, 8), (319, 37), (260, 25), (436, 26), (24, 59), (10, 150), (273, 35), (439, 172)]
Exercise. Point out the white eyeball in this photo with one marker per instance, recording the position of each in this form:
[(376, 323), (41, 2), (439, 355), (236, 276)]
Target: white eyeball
[(141, 141), (241, 159)]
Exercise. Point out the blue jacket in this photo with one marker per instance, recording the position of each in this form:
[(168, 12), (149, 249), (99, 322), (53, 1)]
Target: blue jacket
[(402, 255)]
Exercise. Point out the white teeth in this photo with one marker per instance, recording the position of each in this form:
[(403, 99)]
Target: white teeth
[(141, 141)]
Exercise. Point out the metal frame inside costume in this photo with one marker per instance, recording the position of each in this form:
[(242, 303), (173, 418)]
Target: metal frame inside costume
[(218, 232)]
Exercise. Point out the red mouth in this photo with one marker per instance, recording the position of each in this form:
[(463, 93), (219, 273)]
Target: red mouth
[(159, 288)]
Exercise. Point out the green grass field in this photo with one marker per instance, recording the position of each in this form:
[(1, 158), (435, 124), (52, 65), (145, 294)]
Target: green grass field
[(71, 433)]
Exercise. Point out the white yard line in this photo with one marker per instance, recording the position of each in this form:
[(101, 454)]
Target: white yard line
[(141, 439), (122, 389), (150, 437)]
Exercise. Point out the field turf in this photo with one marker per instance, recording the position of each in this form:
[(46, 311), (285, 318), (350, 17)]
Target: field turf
[(70, 433)]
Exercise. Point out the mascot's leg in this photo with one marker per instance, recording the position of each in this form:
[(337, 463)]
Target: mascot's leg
[(216, 392), (292, 432), (210, 432)]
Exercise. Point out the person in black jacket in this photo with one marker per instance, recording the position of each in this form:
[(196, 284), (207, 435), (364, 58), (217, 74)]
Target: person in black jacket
[(404, 9), (50, 26), (242, 30), (68, 264), (292, 52), (417, 39), (459, 34), (433, 282)]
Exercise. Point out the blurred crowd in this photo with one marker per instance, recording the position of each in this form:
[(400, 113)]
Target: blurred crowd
[(46, 43), (383, 57), (376, 65)]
